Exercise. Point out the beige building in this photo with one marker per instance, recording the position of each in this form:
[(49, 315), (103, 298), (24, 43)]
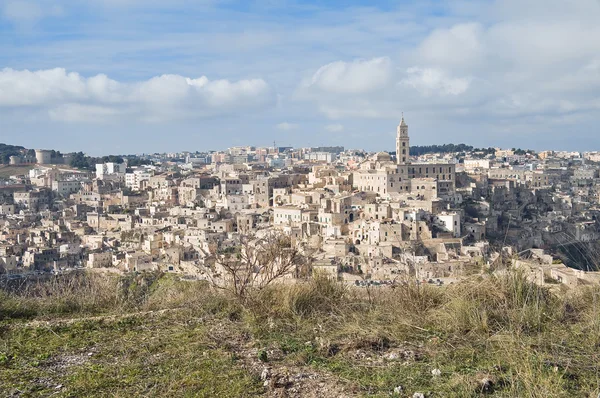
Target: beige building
[(449, 222), (287, 215), (66, 187), (382, 176), (476, 164), (7, 209), (99, 260)]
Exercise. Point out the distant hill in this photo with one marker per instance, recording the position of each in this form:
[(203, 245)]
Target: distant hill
[(78, 160), (6, 151)]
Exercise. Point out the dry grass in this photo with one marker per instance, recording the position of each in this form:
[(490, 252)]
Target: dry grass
[(7, 171), (523, 339), (495, 335)]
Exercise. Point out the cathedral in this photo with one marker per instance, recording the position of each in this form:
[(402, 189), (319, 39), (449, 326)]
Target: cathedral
[(427, 180)]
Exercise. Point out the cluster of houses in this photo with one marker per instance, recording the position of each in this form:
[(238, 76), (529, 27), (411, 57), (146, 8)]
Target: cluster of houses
[(379, 216)]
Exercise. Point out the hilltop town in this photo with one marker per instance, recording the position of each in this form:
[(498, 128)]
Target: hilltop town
[(363, 218)]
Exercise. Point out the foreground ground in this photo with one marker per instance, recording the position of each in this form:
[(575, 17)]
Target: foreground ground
[(154, 335)]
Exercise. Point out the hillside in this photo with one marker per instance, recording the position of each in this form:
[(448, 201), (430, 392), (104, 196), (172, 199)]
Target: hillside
[(152, 335), (7, 171)]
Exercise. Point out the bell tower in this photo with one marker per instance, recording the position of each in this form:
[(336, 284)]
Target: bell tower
[(402, 143)]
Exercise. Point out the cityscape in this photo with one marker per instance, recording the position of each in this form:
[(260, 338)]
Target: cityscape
[(364, 217), (299, 199)]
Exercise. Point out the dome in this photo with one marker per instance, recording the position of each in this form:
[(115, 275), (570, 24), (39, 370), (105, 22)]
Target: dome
[(383, 157)]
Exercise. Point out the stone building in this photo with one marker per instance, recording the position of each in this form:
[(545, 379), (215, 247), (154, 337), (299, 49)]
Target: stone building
[(383, 176)]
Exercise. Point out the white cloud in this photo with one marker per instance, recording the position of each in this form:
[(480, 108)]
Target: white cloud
[(459, 45), (21, 88), (22, 12), (488, 68), (355, 77), (285, 126), (27, 13), (83, 113), (350, 89), (430, 81), (334, 128), (411, 88), (494, 63), (71, 97)]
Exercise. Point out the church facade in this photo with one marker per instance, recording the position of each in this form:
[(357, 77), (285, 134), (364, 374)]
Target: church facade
[(381, 175)]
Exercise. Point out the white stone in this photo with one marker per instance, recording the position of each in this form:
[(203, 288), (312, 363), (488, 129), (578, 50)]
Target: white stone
[(265, 374)]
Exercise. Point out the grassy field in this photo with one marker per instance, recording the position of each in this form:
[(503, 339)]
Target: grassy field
[(7, 171), (152, 335)]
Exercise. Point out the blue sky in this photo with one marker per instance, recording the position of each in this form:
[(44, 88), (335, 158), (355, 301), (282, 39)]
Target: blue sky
[(133, 76)]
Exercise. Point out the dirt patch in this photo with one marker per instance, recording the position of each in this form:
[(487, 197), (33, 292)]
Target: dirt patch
[(62, 363), (37, 323), (279, 379)]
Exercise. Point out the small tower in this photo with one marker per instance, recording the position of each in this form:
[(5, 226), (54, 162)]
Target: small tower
[(402, 143)]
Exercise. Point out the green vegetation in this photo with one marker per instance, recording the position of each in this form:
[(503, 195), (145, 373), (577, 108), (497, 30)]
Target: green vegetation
[(519, 151), (84, 162), (155, 335), (579, 255), (417, 150), (6, 151), (133, 161)]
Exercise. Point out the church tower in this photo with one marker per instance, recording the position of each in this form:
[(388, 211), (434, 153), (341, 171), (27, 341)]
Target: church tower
[(402, 143)]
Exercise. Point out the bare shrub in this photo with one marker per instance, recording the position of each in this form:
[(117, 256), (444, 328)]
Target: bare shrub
[(258, 262)]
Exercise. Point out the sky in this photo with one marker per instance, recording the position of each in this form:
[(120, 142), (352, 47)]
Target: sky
[(140, 76)]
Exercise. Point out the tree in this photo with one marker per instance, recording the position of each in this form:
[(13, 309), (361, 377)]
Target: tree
[(256, 263), (80, 161), (111, 159), (6, 151), (445, 148), (133, 161)]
